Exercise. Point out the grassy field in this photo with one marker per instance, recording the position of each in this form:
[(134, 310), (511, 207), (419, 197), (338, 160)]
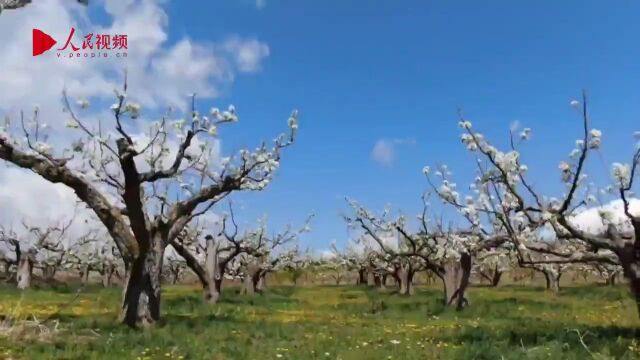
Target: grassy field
[(326, 323)]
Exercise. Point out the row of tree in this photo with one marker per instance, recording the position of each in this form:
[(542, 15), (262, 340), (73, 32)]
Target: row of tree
[(505, 214), (149, 190)]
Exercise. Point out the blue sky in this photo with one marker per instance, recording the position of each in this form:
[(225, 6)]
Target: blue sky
[(399, 70)]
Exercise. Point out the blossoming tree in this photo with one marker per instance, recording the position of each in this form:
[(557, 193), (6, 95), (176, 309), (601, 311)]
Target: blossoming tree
[(36, 247), (491, 264), (144, 187), (210, 260), (446, 253), (506, 199)]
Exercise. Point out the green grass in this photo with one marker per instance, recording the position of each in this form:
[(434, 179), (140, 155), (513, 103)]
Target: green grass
[(330, 323)]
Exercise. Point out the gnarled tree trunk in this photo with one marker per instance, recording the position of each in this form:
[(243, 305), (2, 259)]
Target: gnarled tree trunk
[(84, 274), (175, 276), (495, 280), (634, 283), (552, 280), (611, 279), (251, 279), (213, 274), (141, 304), (25, 271), (455, 279), (405, 275), (48, 272), (630, 261), (261, 284), (362, 276)]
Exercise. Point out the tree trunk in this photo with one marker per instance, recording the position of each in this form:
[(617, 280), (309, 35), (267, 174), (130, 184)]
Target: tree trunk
[(248, 288), (338, 278), (250, 280), (212, 291), (631, 270), (6, 266), (213, 273), (495, 280), (377, 280), (84, 274), (261, 285), (634, 283), (362, 276), (371, 281), (552, 280), (107, 274), (611, 279), (141, 304), (381, 281), (25, 270), (456, 279), (405, 276), (48, 272), (430, 277)]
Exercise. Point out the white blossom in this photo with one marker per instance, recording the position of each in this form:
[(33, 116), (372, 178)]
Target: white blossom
[(621, 173), (447, 192), (43, 147), (596, 139), (575, 153), (565, 169), (71, 124), (465, 124), (293, 120), (133, 109), (508, 161)]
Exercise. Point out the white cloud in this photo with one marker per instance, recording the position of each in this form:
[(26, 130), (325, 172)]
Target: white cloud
[(590, 220), (38, 203), (248, 54), (384, 150), (159, 74)]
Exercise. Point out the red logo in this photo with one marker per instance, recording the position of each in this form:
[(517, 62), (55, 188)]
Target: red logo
[(41, 42), (93, 45)]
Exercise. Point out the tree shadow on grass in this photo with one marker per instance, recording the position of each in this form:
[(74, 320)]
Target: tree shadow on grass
[(198, 321), (538, 332)]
